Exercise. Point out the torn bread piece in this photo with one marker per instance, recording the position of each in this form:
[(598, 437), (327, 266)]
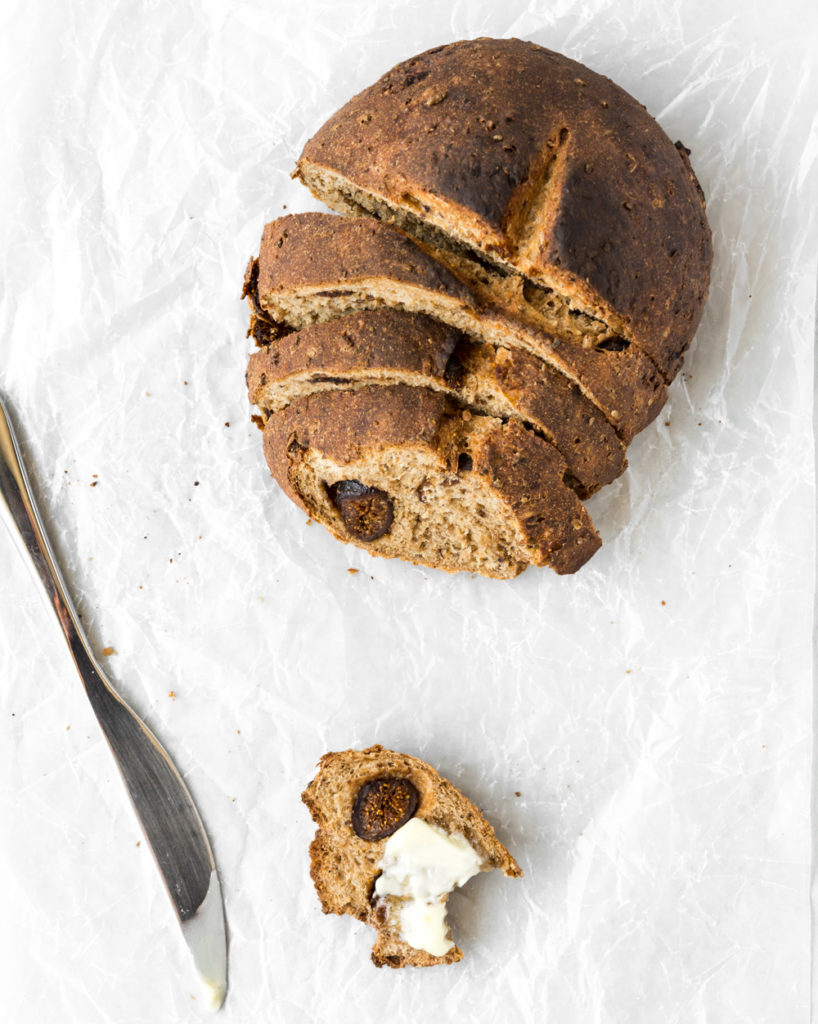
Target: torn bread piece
[(403, 473), (394, 839), (387, 347), (518, 157), (316, 267)]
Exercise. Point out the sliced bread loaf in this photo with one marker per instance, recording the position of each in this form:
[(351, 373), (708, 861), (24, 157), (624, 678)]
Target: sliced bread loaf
[(500, 190)]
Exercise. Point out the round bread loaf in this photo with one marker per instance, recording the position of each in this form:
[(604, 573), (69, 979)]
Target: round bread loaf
[(522, 261)]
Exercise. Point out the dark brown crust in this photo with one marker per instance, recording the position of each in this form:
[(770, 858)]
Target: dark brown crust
[(381, 339), (555, 523), (522, 469), (552, 404), (343, 866), (319, 248), (338, 352), (249, 289), (303, 253), (499, 135)]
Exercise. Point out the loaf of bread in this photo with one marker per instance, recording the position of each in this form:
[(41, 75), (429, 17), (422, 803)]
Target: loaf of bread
[(359, 800), (522, 259)]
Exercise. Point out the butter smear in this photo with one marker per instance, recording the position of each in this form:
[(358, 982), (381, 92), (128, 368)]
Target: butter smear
[(420, 865)]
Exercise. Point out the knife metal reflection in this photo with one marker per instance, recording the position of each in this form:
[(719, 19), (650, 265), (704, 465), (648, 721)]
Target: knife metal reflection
[(160, 798)]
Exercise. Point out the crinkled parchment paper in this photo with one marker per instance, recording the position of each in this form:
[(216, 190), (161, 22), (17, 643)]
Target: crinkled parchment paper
[(640, 734)]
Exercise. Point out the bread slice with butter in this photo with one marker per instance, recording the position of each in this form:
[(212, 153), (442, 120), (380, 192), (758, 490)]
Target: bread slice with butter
[(394, 838)]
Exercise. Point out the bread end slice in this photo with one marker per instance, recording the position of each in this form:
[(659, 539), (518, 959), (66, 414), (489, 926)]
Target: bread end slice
[(400, 473), (348, 848)]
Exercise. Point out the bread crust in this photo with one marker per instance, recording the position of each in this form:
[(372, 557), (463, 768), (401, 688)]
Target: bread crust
[(344, 867), (382, 339), (521, 469), (547, 400), (539, 163), (319, 248)]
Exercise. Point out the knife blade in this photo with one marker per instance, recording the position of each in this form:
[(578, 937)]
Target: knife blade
[(163, 804)]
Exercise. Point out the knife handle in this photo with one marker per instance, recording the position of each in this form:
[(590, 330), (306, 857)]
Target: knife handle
[(20, 515), (160, 797)]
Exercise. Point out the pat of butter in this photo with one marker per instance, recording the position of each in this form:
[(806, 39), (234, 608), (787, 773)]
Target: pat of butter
[(420, 864)]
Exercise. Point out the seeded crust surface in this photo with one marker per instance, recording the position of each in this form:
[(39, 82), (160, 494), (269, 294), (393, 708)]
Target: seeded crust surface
[(540, 164), (453, 476), (344, 866), (385, 346)]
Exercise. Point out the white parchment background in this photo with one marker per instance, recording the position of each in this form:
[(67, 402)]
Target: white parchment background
[(640, 734)]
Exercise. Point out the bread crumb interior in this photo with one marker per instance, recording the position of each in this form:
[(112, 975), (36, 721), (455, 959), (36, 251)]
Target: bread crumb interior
[(447, 520)]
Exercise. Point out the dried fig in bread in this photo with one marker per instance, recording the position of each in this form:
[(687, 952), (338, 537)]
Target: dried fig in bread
[(382, 806)]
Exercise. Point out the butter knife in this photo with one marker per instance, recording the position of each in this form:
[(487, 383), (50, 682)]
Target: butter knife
[(160, 798)]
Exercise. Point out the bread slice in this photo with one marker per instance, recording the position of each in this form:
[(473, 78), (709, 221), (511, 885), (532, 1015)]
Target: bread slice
[(358, 799), (381, 346), (386, 347), (315, 267), (403, 473), (521, 158)]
